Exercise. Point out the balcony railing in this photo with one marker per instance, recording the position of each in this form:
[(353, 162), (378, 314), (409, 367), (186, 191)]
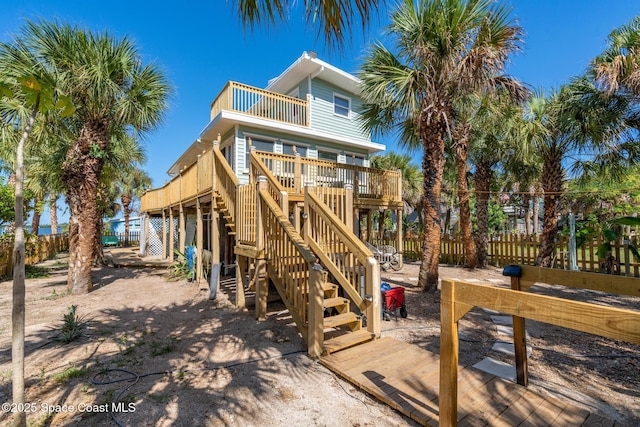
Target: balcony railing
[(240, 98)]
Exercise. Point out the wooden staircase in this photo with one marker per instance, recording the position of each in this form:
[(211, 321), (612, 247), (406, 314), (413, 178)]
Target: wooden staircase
[(222, 207), (342, 327), (293, 263)]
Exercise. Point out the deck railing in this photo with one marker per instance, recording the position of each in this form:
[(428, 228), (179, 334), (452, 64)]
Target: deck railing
[(345, 256), (459, 297), (275, 188), (292, 172), (241, 98)]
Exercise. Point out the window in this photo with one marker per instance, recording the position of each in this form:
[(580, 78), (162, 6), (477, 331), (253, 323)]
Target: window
[(341, 106), (327, 155)]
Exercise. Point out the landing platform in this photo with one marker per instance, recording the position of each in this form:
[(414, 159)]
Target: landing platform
[(406, 377)]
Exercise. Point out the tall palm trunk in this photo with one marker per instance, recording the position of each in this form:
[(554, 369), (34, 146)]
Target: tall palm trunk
[(526, 202), (536, 212), (552, 177), (482, 182), (126, 207), (53, 212), (81, 174), (433, 168), (462, 136)]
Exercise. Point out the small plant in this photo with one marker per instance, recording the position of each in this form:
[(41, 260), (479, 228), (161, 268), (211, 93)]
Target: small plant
[(55, 295), (85, 388), (72, 327), (160, 348), (180, 269), (41, 378), (69, 373), (35, 272)]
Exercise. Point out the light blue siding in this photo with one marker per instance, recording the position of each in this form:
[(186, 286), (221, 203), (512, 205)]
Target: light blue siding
[(322, 113)]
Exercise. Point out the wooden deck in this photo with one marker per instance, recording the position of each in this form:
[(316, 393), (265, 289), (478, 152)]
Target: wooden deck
[(406, 377)]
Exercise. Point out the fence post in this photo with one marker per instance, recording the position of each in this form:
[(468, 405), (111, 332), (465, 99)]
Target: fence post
[(448, 356), (297, 173)]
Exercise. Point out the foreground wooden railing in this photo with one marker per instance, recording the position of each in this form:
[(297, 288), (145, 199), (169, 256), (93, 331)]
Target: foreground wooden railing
[(292, 172), (345, 256), (241, 98), (459, 297), (36, 250), (287, 259)]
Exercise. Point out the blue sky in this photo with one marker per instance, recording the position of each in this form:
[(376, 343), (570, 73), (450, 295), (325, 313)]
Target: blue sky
[(201, 45)]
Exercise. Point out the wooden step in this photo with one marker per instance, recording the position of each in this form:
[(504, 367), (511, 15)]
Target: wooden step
[(330, 290), (347, 340), (351, 319), (335, 302)]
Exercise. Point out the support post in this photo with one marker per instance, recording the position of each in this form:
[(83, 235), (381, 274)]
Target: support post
[(164, 235), (199, 242), (183, 230), (297, 174), (172, 239), (369, 224), (448, 357), (348, 206), (241, 271), (399, 238), (519, 330), (356, 218), (316, 311), (262, 282), (372, 291)]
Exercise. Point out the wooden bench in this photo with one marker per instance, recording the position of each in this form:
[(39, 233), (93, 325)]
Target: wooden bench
[(459, 297)]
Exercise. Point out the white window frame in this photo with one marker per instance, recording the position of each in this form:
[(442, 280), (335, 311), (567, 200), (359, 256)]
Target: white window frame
[(346, 98)]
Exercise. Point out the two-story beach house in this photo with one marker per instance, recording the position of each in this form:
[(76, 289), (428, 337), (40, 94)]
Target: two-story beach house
[(278, 185)]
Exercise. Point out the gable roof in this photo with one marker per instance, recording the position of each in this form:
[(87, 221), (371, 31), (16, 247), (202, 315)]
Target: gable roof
[(309, 65)]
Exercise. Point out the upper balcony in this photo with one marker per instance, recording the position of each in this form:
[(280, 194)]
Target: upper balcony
[(259, 103)]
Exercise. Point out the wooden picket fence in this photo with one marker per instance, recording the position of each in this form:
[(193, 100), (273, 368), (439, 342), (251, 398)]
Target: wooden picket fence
[(507, 249), (43, 248)]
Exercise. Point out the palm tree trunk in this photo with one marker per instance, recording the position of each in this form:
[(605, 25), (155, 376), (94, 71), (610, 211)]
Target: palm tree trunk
[(462, 136), (35, 221), (536, 212), (97, 247), (433, 168), (53, 212), (526, 201), (126, 207), (18, 310), (81, 173), (552, 178), (482, 182)]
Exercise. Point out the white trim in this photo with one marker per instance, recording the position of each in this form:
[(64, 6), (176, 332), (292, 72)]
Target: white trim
[(346, 98), (369, 146)]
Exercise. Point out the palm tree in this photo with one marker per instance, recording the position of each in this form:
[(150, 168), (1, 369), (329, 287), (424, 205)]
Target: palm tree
[(112, 91), (617, 69), (332, 17), (26, 89), (578, 120), (443, 50)]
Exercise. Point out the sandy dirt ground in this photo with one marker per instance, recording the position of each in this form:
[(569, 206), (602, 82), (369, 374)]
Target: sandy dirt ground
[(170, 356)]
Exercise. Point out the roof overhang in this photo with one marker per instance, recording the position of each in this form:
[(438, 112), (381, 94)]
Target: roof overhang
[(222, 122), (189, 156), (308, 65)]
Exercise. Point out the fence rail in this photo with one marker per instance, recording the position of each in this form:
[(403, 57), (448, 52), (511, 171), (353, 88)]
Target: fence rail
[(523, 249), (36, 251)]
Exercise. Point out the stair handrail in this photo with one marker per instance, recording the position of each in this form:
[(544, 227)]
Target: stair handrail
[(346, 257), (288, 256), (226, 180), (276, 190)]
